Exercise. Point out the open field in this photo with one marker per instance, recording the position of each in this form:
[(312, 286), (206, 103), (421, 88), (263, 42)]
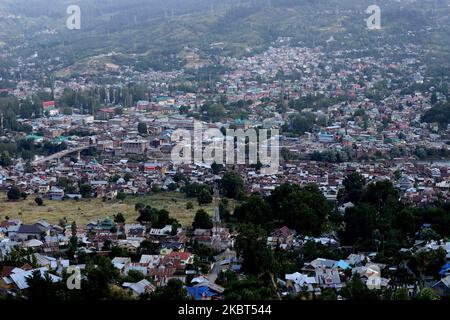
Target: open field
[(83, 211)]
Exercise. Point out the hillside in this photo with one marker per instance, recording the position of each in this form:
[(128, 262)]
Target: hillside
[(150, 33)]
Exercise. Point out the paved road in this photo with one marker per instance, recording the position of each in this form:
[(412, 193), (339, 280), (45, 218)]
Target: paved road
[(212, 277)]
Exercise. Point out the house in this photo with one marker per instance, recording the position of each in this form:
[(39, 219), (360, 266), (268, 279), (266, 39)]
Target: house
[(150, 261), (321, 262), (328, 278), (6, 282), (106, 113), (376, 282), (442, 287), (134, 147), (33, 243), (298, 282), (178, 260), (121, 263), (19, 276), (342, 265), (56, 193), (29, 231), (134, 230), (49, 108), (282, 237), (445, 270), (130, 246), (138, 288), (202, 293), (356, 259)]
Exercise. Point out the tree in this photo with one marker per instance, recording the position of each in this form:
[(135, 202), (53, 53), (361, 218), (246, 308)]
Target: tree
[(172, 186), (251, 288), (73, 241), (86, 190), (379, 193), (142, 128), (254, 210), (183, 109), (433, 99), (303, 209), (134, 276), (174, 290), (427, 294), (251, 246), (189, 205), (360, 223), (401, 294), (302, 123), (13, 193), (357, 290), (202, 220), (119, 218), (328, 294), (204, 196), (224, 212), (216, 168), (353, 188), (127, 176), (5, 159), (39, 201), (28, 168), (121, 196), (139, 206), (41, 288), (232, 185)]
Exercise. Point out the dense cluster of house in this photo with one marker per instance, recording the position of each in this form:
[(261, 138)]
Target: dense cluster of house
[(321, 273), (112, 156), (169, 258), (173, 260)]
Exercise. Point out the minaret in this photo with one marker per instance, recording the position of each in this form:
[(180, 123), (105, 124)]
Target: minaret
[(216, 217), (216, 221)]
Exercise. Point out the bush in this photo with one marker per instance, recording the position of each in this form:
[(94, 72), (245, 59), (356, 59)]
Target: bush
[(39, 201), (14, 194)]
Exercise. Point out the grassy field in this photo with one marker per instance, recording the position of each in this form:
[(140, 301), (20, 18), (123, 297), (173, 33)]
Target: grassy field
[(84, 211)]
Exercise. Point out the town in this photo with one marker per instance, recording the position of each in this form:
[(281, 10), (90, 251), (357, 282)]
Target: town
[(358, 206)]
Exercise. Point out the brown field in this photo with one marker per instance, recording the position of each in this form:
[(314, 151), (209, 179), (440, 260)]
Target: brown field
[(83, 211)]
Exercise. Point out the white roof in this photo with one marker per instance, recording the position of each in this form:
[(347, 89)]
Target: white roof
[(138, 287), (33, 243), (149, 258), (300, 279), (20, 276)]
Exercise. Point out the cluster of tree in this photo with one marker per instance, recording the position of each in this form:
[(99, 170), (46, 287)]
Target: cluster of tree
[(27, 149), (89, 101), (380, 221), (231, 185), (300, 123), (202, 192), (302, 209), (202, 220), (214, 111), (156, 218), (439, 113), (431, 153), (332, 156)]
